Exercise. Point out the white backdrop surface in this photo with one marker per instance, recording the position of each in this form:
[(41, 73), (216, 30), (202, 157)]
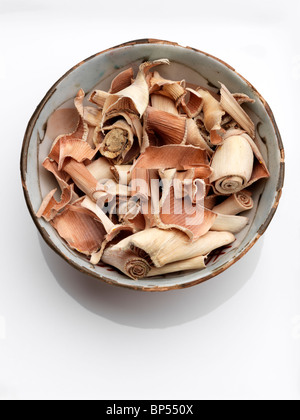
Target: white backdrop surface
[(66, 336)]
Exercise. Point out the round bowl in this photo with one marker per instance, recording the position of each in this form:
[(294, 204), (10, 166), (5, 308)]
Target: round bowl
[(196, 67)]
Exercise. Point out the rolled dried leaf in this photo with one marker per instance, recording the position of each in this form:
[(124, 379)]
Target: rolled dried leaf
[(175, 90), (163, 103), (213, 113), (134, 98), (232, 107), (127, 262), (121, 81), (260, 169), (228, 223), (82, 177), (197, 263), (195, 138), (193, 106), (235, 204), (171, 129), (232, 166), (80, 230), (242, 98), (168, 246)]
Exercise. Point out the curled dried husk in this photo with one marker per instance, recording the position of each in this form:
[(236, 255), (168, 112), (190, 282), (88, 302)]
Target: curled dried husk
[(235, 204), (170, 128), (90, 115), (82, 177), (63, 120), (233, 108), (195, 138), (171, 89), (228, 223), (99, 97), (168, 246), (121, 81), (50, 207), (213, 114), (134, 98), (194, 104), (232, 166), (197, 263), (163, 103), (127, 262), (79, 229)]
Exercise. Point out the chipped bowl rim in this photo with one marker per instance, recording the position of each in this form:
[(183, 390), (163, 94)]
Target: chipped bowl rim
[(225, 266)]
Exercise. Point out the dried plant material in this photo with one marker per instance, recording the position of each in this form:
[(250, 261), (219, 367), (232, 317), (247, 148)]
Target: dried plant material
[(163, 103), (176, 161), (101, 169), (118, 141), (134, 98), (195, 138), (99, 97), (213, 113), (127, 262), (168, 246), (229, 223), (197, 263), (232, 166), (194, 104), (235, 204), (122, 81), (232, 107), (173, 156), (171, 129), (122, 173), (80, 230), (90, 115)]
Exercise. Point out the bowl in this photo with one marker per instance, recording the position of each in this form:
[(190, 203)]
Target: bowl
[(196, 67)]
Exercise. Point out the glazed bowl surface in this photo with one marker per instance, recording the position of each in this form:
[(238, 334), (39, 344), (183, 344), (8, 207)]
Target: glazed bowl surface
[(187, 63)]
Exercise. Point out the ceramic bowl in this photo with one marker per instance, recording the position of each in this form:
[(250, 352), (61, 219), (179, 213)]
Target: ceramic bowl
[(196, 67)]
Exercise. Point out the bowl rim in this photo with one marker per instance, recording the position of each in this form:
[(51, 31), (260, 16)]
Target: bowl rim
[(44, 234)]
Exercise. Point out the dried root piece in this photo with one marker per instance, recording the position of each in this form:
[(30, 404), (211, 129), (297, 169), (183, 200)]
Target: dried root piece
[(168, 246), (118, 141), (197, 263), (235, 204)]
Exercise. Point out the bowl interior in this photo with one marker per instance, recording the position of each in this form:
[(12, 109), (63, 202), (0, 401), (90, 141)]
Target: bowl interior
[(195, 67)]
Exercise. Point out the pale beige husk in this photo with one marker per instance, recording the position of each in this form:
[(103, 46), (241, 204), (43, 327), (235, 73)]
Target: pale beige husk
[(213, 114), (168, 246), (163, 103), (232, 166), (197, 263), (101, 169), (229, 223), (195, 138)]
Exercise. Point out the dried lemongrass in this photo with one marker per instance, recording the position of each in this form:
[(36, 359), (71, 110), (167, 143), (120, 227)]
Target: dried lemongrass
[(232, 166), (235, 204), (127, 262), (213, 113), (134, 98), (195, 138), (118, 141), (163, 103), (229, 223), (232, 107), (197, 263), (167, 246)]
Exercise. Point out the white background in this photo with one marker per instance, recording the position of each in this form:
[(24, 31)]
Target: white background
[(66, 336)]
